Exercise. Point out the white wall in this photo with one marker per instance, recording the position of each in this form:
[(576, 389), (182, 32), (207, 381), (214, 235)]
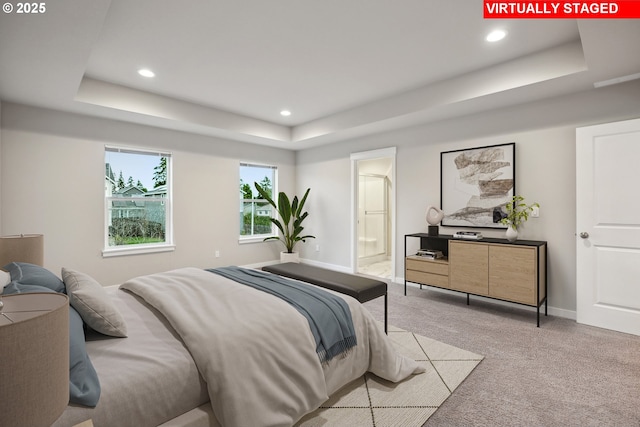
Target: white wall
[(329, 207), (1, 233), (52, 178), (51, 170), (544, 133)]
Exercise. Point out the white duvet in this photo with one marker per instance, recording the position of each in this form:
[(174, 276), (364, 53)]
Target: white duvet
[(256, 352)]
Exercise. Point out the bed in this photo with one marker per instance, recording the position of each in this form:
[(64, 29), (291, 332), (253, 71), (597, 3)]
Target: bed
[(204, 350)]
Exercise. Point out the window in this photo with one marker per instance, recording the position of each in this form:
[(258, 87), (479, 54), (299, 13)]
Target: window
[(254, 212), (137, 201)]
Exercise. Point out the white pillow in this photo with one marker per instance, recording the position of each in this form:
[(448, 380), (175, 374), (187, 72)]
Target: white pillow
[(93, 304), (5, 279)]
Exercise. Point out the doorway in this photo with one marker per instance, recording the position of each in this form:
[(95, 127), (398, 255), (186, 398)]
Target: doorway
[(373, 207)]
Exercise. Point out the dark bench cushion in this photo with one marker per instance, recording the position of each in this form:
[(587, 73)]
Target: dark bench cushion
[(361, 288)]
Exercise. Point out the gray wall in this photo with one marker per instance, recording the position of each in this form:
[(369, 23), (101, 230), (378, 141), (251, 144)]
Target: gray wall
[(52, 183), (544, 133)]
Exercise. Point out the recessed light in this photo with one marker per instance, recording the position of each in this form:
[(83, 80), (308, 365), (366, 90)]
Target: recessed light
[(144, 72), (285, 113), (496, 35)]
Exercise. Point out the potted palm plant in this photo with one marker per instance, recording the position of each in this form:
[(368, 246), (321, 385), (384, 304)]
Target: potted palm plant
[(290, 222), (517, 213)]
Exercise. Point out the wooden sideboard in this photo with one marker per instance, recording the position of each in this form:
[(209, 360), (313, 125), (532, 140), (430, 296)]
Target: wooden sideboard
[(493, 268)]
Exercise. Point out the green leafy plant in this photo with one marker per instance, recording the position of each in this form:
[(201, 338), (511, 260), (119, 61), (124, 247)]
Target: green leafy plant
[(517, 212), (290, 212)]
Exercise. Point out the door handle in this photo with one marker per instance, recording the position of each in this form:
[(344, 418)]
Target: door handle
[(584, 235)]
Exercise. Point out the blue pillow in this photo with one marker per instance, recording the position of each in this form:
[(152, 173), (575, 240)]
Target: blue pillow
[(24, 274), (84, 385)]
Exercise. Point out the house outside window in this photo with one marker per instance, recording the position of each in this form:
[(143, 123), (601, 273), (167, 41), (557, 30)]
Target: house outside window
[(255, 212), (137, 202)]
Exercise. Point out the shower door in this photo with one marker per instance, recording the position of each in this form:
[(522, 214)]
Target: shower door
[(373, 216)]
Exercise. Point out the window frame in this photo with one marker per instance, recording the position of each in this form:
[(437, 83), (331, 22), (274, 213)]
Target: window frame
[(256, 238), (145, 248)]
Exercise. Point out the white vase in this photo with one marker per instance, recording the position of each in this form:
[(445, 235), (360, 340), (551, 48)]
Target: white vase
[(289, 257), (511, 234)]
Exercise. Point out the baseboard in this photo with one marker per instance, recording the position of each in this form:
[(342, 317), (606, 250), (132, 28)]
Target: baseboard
[(553, 311)]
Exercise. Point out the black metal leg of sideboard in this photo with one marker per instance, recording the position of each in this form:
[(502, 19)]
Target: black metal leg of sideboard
[(385, 314), (405, 266), (546, 278)]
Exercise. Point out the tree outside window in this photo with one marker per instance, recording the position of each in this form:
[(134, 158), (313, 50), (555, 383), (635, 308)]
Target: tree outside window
[(254, 211), (137, 203)]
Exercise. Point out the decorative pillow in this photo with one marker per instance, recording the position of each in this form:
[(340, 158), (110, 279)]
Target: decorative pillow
[(91, 301), (24, 274)]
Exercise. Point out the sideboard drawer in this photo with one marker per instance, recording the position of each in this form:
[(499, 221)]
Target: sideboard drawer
[(428, 278), (428, 266)]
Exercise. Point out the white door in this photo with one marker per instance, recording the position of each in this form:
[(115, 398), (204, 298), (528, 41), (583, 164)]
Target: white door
[(608, 226)]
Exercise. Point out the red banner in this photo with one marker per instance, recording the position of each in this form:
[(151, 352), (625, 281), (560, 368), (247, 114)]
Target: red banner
[(622, 9)]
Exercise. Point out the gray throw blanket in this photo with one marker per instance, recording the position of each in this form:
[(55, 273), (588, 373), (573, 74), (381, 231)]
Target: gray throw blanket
[(329, 316)]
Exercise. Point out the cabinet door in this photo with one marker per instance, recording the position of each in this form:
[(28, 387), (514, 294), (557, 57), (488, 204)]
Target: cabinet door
[(469, 267), (513, 273)]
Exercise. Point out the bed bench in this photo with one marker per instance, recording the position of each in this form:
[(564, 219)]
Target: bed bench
[(361, 288)]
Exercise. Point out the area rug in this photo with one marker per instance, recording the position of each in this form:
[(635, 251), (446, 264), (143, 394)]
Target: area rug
[(372, 401)]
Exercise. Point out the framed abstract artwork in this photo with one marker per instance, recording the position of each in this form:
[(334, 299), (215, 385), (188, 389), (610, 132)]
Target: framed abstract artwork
[(475, 185)]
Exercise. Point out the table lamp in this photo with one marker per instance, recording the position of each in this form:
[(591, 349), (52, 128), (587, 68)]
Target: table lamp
[(34, 345), (22, 248)]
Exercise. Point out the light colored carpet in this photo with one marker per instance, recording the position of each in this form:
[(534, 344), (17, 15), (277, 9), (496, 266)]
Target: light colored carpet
[(372, 401), (560, 374)]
